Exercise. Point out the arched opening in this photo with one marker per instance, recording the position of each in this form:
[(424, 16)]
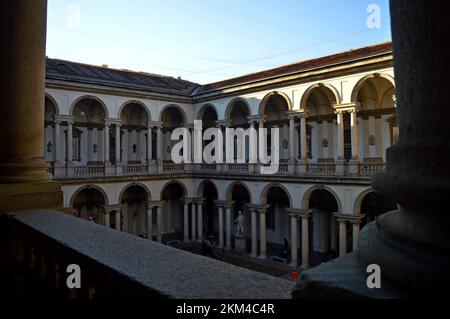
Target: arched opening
[(237, 113), (240, 196), (278, 222), (88, 133), (373, 205), (172, 118), (208, 116), (210, 222), (49, 130), (323, 234), (173, 196), (134, 134), (274, 108), (321, 126), (134, 211), (89, 204), (376, 98)]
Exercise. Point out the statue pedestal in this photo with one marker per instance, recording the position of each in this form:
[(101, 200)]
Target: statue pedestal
[(240, 243)]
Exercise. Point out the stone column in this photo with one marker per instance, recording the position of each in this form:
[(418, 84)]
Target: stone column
[(340, 134), (355, 233), (107, 218), (305, 238), (149, 143), (253, 140), (193, 221), (220, 208), (118, 144), (200, 220), (292, 138), (342, 237), (69, 142), (303, 140), (186, 222), (118, 219), (22, 86), (354, 130), (229, 208), (57, 156), (159, 144), (254, 234), (294, 240), (150, 222), (262, 234), (159, 225), (106, 143)]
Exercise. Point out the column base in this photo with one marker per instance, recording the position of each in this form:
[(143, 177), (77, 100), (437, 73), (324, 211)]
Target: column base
[(21, 196), (263, 257), (253, 255), (293, 264)]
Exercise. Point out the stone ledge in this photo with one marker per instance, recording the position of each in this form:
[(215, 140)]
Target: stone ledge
[(343, 278), (167, 271)]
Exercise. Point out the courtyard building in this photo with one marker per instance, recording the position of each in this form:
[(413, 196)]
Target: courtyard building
[(108, 142)]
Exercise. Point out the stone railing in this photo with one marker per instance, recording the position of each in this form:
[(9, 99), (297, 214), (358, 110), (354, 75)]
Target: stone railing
[(38, 247), (89, 171), (173, 168), (238, 168), (369, 169), (321, 169), (135, 169)]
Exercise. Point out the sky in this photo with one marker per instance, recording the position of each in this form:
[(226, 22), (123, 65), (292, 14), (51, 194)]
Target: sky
[(204, 41)]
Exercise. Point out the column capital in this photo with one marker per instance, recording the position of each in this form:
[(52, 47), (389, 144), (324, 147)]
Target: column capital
[(354, 219), (189, 200), (113, 122), (64, 118), (155, 203), (111, 208), (256, 118), (297, 114), (303, 213), (223, 123), (229, 204), (155, 124), (200, 200), (219, 203), (346, 108)]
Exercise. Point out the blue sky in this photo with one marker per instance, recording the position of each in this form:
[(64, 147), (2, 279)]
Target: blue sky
[(208, 40)]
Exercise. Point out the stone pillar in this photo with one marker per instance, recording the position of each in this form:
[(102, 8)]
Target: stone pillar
[(118, 220), (107, 218), (220, 208), (305, 238), (262, 234), (200, 220), (159, 225), (253, 140), (106, 143), (354, 131), (355, 234), (333, 233), (417, 174), (57, 145), (194, 221), (342, 237), (149, 144), (186, 222), (303, 140), (118, 144), (22, 86), (229, 208), (69, 142), (340, 134), (294, 240), (150, 222), (254, 234), (292, 138), (159, 144)]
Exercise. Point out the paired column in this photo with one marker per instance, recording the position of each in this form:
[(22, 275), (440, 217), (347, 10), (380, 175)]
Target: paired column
[(57, 141), (292, 116), (149, 143), (69, 137), (354, 132), (159, 143), (186, 221), (150, 209), (200, 203), (262, 235), (220, 208), (303, 140), (193, 221), (118, 144), (340, 134), (253, 140), (342, 236), (229, 209), (294, 239), (305, 237), (106, 143), (254, 232), (159, 223), (107, 218)]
